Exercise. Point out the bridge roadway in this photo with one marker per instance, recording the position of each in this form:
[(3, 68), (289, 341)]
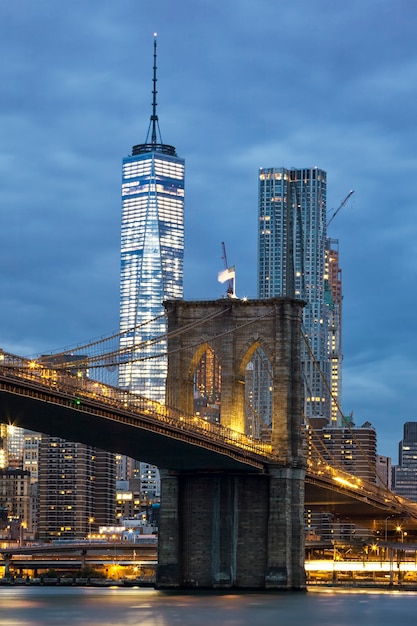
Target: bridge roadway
[(76, 554), (77, 408)]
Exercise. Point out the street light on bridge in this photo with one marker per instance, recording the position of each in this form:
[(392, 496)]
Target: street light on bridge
[(403, 533)]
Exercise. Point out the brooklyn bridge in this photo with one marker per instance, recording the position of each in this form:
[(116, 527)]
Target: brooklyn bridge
[(216, 478)]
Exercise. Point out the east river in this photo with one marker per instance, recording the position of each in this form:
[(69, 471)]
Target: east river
[(89, 606)]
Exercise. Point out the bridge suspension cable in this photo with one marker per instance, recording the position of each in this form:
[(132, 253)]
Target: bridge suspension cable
[(115, 357), (345, 421), (197, 343)]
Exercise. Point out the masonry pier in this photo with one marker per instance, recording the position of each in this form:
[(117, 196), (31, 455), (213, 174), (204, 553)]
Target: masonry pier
[(236, 529)]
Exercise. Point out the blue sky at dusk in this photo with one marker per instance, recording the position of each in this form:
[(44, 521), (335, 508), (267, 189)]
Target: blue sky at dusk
[(242, 84)]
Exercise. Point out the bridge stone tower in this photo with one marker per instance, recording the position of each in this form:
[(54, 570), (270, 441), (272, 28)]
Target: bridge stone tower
[(236, 529)]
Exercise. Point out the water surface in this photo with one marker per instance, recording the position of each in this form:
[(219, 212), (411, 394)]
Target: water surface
[(89, 606)]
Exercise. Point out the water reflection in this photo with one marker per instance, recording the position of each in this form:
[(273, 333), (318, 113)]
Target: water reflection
[(44, 606)]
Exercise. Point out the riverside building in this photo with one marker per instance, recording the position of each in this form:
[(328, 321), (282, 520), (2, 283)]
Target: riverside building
[(76, 489)]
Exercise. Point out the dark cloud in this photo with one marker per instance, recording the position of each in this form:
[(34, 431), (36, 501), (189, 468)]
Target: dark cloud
[(240, 85)]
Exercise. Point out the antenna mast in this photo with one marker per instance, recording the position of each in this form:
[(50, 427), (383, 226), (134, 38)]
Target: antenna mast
[(154, 133), (154, 117), (153, 128)]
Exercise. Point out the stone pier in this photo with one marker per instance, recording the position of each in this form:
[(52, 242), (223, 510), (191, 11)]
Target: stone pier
[(226, 529)]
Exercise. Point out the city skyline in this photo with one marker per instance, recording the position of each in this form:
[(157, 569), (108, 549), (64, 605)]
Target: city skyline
[(239, 89)]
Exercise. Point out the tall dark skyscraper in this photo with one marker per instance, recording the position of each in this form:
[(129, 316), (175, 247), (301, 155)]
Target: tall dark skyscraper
[(404, 475), (152, 253)]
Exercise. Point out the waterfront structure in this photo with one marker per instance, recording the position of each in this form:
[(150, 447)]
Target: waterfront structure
[(404, 475), (152, 251), (76, 489), (292, 262)]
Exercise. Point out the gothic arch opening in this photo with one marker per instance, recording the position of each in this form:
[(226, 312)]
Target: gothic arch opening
[(258, 395), (207, 383)]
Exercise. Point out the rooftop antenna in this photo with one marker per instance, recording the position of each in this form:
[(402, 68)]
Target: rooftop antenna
[(153, 129), (154, 123)]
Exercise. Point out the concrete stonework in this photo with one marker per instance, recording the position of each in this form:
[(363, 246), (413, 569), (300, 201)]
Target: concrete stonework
[(228, 529)]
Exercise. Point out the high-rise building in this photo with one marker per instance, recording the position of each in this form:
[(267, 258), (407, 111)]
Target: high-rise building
[(152, 252), (76, 490), (30, 463), (333, 299), (404, 475), (351, 449), (15, 499), (291, 262), (15, 442), (383, 471)]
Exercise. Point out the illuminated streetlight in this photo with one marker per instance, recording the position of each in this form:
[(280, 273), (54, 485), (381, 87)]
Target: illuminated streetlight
[(90, 521), (403, 533), (21, 529)]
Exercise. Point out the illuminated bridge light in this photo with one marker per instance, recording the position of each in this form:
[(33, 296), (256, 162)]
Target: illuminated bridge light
[(344, 482)]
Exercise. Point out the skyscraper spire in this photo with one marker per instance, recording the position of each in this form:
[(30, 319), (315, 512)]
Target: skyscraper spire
[(154, 118), (155, 144)]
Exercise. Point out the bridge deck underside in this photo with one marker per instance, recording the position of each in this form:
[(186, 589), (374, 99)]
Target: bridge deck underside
[(170, 449), (364, 512), (162, 447)]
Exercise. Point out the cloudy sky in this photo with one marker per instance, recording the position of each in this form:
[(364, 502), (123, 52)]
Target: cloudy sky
[(242, 84)]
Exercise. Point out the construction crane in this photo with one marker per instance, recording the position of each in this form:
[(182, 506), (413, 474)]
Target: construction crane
[(228, 274), (339, 208)]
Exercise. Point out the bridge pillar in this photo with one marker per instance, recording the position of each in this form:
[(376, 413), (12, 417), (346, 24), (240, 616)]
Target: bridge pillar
[(224, 528), (232, 530), (286, 535), (168, 531)]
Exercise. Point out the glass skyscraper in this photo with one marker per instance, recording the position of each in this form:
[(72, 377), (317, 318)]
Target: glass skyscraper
[(152, 253), (291, 262)]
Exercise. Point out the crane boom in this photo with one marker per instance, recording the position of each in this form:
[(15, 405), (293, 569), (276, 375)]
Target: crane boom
[(230, 284), (342, 204)]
